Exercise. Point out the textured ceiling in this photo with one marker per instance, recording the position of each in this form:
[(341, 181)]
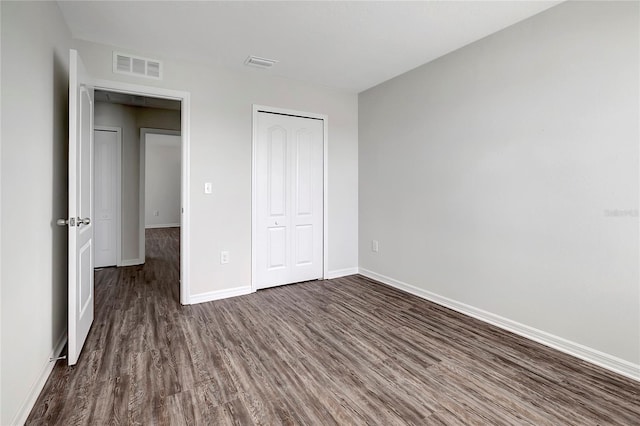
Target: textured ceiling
[(347, 45)]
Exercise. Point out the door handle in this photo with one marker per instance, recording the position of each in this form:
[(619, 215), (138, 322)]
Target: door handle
[(73, 221)]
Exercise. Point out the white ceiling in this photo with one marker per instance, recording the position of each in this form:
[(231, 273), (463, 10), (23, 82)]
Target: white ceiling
[(347, 45)]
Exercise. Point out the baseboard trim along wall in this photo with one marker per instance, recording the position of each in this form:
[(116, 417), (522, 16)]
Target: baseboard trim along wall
[(219, 294), (241, 291), (131, 262), (338, 273), (38, 385), (585, 353)]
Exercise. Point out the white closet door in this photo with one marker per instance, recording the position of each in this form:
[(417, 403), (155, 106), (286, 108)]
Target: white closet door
[(106, 147), (289, 198)]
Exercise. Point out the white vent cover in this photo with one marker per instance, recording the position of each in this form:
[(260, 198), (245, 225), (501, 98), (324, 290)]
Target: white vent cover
[(255, 61), (135, 65)]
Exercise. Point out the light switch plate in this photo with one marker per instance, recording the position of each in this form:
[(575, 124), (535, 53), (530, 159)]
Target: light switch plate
[(208, 187)]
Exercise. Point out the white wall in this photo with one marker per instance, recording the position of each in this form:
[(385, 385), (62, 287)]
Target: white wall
[(162, 180), (505, 176), (35, 43), (131, 119), (221, 108)]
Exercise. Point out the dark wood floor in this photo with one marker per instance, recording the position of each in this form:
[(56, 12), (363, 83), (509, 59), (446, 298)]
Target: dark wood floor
[(345, 351)]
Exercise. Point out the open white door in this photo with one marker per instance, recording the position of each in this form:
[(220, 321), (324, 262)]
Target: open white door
[(80, 207)]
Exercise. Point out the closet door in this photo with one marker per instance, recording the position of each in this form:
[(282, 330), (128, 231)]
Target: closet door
[(289, 199), (107, 148)]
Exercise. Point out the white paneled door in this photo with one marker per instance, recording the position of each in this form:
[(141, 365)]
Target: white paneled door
[(289, 199), (80, 207), (106, 147)]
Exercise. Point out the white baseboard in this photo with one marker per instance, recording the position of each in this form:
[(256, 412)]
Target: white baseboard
[(131, 262), (219, 294), (601, 359), (162, 225), (25, 409), (340, 273)]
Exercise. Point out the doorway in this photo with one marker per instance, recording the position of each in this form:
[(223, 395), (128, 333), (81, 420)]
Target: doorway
[(121, 106), (160, 152), (289, 198), (82, 89)]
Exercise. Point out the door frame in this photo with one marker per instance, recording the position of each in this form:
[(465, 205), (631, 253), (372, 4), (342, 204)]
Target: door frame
[(144, 131), (185, 186), (118, 172), (325, 180)]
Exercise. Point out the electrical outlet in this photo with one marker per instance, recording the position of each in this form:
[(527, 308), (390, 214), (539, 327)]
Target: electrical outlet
[(374, 246), (156, 213), (224, 257)]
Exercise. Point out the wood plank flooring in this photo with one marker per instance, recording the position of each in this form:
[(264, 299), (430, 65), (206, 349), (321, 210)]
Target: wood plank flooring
[(347, 351)]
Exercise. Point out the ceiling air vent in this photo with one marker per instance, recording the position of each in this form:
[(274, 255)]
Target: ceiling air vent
[(135, 65), (254, 61)]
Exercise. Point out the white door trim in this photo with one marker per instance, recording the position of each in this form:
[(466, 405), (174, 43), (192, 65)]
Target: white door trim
[(185, 130), (118, 172), (325, 173), (143, 168)]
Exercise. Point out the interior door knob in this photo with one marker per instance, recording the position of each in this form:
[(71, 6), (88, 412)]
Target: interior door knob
[(85, 221), (62, 222)]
